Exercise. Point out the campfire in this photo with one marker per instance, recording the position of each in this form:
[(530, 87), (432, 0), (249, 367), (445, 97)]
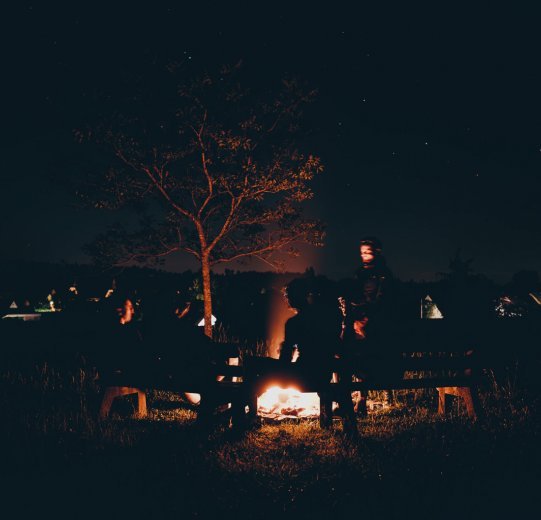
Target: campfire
[(286, 403)]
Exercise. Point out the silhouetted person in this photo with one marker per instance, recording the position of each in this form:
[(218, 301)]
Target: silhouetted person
[(366, 299), (365, 305), (179, 346), (121, 346), (312, 340)]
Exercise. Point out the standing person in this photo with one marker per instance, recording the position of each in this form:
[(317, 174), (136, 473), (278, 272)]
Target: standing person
[(364, 304), (312, 336)]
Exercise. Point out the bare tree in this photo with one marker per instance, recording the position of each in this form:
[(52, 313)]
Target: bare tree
[(219, 176)]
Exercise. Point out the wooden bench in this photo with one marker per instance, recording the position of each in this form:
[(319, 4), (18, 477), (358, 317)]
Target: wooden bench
[(445, 355), (218, 385), (451, 374), (439, 354)]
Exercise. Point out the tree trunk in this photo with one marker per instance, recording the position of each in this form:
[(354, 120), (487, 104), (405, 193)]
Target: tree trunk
[(207, 295)]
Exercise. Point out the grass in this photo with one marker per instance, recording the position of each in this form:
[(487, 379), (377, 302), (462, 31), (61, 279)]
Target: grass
[(59, 460)]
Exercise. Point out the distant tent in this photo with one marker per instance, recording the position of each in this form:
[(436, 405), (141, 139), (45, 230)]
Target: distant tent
[(429, 310), (13, 305), (212, 321)]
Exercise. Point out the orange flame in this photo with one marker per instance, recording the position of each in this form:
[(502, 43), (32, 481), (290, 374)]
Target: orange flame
[(281, 403)]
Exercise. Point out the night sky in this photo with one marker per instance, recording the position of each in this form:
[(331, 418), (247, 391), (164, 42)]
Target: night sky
[(428, 121)]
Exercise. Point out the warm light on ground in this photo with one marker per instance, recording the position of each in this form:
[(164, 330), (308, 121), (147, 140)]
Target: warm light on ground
[(282, 403)]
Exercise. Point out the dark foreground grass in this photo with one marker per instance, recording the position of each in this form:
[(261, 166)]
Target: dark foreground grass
[(59, 461)]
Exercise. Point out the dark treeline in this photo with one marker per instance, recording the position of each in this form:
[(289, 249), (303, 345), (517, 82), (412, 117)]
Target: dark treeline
[(245, 302)]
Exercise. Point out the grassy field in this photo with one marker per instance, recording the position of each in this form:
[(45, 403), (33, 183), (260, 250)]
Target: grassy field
[(58, 460)]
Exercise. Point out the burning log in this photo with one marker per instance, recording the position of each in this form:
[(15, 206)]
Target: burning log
[(283, 403)]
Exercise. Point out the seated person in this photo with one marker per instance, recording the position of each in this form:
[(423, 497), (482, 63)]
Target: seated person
[(180, 348), (313, 335)]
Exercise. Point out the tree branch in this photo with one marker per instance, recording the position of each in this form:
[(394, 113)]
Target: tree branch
[(210, 183), (155, 182), (272, 246), (138, 256), (235, 203)]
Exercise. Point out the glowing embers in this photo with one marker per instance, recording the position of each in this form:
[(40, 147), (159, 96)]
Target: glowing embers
[(286, 403)]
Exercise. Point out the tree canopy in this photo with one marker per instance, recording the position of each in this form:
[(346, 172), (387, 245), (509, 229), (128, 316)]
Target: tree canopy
[(213, 168)]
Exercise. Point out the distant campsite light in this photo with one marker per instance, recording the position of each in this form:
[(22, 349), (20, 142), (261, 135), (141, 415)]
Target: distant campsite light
[(31, 316), (50, 298), (14, 313)]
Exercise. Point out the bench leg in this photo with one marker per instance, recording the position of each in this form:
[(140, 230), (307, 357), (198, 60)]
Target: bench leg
[(204, 410), (465, 392), (240, 418), (360, 406), (252, 392), (141, 403), (249, 398), (238, 414), (442, 401), (325, 410), (471, 401), (252, 405), (342, 395), (112, 392)]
